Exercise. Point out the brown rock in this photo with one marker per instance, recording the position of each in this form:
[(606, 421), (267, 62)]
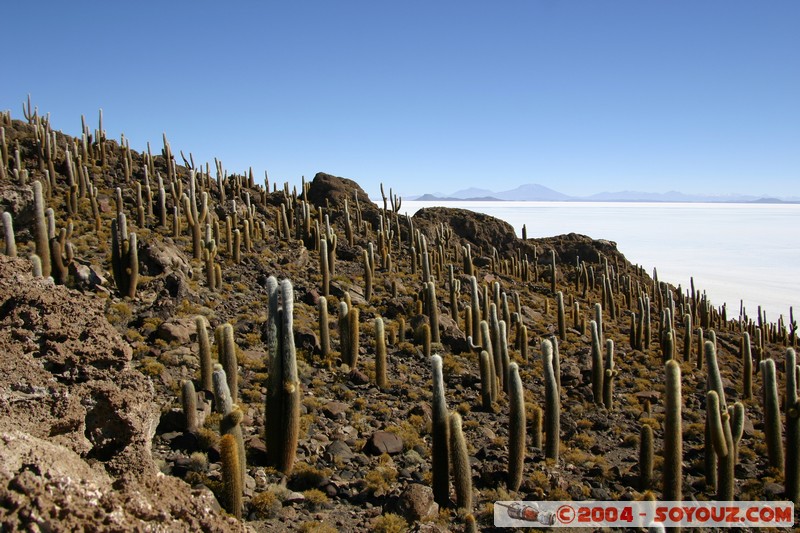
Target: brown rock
[(416, 503), (383, 442)]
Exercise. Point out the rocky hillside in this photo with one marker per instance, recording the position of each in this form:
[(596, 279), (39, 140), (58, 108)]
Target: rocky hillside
[(100, 342)]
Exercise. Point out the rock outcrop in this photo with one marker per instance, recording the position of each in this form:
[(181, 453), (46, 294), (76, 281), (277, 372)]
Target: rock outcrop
[(76, 421)]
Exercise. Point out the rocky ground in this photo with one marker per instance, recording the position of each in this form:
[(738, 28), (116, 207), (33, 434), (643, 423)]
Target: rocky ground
[(91, 430)]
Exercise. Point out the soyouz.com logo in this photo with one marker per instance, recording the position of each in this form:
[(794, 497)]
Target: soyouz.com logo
[(643, 514)]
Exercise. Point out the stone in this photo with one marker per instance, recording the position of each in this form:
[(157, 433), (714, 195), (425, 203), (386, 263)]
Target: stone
[(177, 331), (335, 410), (383, 442), (416, 503), (338, 449)]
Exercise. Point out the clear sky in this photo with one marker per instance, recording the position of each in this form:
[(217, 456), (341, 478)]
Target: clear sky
[(580, 96)]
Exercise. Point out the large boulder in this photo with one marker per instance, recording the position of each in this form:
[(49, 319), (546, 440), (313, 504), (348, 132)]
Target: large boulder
[(327, 190), (480, 230)]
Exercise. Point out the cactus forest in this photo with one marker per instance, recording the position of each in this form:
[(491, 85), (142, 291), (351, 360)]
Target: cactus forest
[(298, 357)]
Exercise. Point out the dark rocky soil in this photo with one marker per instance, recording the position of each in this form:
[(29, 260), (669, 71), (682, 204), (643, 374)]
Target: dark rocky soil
[(91, 431)]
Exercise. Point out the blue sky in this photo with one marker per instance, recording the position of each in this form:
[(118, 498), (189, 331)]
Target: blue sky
[(580, 96)]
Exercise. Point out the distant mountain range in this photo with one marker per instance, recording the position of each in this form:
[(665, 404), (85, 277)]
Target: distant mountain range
[(539, 193)]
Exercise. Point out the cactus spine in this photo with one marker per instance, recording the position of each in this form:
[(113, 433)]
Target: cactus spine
[(462, 472), (673, 435), (516, 428), (440, 453), (552, 410), (283, 391)]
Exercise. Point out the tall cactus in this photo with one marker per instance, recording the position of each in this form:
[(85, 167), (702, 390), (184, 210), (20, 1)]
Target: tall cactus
[(324, 330), (41, 234), (231, 476), (226, 353), (673, 435), (204, 355), (283, 391), (462, 472), (440, 453), (792, 406), (645, 457), (516, 428), (597, 364), (380, 354), (189, 404), (8, 232), (552, 410), (610, 372), (772, 415), (562, 321)]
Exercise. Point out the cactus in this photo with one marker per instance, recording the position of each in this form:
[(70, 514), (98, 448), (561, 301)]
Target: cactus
[(323, 267), (204, 355), (673, 435), (231, 425), (536, 427), (487, 346), (645, 457), (486, 381), (8, 232), (687, 337), (432, 310), (344, 334), (226, 353), (792, 459), (722, 440), (380, 354), (41, 233), (772, 415), (352, 341), (562, 321), (324, 331), (462, 471), (36, 266), (283, 390), (610, 372), (747, 367), (367, 276), (552, 410), (189, 404), (597, 364), (222, 395), (516, 428), (440, 452), (124, 257), (231, 476)]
